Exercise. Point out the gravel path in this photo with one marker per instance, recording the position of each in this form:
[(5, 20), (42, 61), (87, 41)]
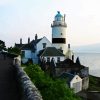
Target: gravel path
[(8, 85)]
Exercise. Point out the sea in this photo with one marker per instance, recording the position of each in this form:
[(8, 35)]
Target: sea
[(91, 60)]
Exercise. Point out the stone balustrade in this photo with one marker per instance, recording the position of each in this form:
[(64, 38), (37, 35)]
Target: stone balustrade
[(28, 89)]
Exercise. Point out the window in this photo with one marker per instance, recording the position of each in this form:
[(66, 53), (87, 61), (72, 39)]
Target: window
[(23, 54), (48, 59), (44, 45), (61, 34), (58, 59)]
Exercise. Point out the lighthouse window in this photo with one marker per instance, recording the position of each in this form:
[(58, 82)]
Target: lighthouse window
[(61, 34)]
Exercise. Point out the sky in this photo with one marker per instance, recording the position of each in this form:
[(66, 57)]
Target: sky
[(25, 18)]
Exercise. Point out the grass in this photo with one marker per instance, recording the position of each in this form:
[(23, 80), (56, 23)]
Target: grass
[(94, 83)]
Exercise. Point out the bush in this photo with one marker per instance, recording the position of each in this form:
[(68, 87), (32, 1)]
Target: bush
[(14, 50), (51, 89)]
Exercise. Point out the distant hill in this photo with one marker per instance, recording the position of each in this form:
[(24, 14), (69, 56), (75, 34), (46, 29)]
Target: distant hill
[(93, 48)]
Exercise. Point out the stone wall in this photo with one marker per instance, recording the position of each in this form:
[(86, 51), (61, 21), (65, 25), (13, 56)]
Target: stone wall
[(85, 83), (28, 89)]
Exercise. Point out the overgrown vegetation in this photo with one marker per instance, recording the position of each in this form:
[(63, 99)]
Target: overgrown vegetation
[(14, 50), (51, 89), (94, 83)]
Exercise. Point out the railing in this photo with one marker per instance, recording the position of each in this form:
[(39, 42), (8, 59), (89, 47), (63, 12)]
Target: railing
[(28, 89)]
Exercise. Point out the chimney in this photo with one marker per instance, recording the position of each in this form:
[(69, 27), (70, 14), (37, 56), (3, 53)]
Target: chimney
[(36, 37), (20, 40), (28, 40), (68, 46), (64, 17)]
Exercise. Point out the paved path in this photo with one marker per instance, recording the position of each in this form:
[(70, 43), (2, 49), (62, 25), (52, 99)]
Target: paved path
[(8, 85)]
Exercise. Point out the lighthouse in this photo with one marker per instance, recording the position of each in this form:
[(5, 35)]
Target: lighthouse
[(59, 32)]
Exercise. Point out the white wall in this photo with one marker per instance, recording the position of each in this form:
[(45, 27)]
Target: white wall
[(28, 54), (62, 58), (56, 32), (34, 58), (69, 54), (40, 44), (24, 60), (76, 83)]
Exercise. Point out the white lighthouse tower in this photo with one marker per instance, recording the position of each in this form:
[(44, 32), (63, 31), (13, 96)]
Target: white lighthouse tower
[(59, 32)]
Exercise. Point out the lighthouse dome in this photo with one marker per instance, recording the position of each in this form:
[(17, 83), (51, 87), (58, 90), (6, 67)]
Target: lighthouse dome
[(58, 17)]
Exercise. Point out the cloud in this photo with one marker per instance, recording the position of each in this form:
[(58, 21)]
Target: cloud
[(6, 2)]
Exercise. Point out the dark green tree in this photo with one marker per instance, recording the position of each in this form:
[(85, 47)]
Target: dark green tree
[(14, 50), (78, 61), (2, 45)]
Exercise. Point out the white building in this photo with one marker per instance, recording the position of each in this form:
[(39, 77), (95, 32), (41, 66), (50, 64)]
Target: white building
[(33, 48), (76, 84), (59, 32), (52, 52), (74, 81)]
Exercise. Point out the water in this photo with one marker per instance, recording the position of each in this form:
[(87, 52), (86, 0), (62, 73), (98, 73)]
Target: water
[(91, 60)]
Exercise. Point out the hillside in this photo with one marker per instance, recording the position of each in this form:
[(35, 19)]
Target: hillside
[(94, 83), (50, 88)]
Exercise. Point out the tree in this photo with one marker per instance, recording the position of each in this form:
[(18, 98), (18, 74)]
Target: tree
[(14, 50), (78, 61), (2, 45)]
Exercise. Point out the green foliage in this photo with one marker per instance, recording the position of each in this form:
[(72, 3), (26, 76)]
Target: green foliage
[(2, 45), (51, 89), (94, 83), (14, 50), (78, 61)]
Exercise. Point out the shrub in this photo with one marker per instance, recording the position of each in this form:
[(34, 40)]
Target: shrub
[(14, 50), (51, 89)]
